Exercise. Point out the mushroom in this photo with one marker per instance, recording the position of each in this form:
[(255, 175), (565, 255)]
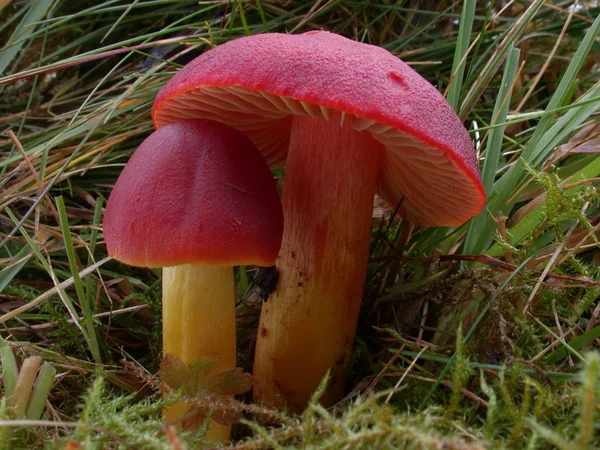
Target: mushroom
[(196, 198), (349, 120)]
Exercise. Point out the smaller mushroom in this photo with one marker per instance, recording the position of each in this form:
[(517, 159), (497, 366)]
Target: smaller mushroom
[(196, 198)]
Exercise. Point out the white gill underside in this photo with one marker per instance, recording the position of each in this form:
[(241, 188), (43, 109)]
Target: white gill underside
[(429, 185)]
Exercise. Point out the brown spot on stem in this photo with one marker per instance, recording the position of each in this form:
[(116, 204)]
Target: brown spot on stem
[(265, 281)]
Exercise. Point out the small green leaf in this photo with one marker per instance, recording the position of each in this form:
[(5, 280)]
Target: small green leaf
[(198, 372), (173, 371), (229, 382), (200, 379)]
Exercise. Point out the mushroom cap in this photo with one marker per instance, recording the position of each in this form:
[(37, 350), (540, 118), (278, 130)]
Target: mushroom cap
[(256, 83), (194, 192)]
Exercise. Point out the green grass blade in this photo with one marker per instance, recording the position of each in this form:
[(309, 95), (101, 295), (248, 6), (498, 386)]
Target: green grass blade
[(473, 243), (495, 62), (497, 367), (523, 228), (460, 60), (37, 10), (51, 272), (243, 18), (89, 285), (80, 106), (566, 345), (577, 343), (480, 317), (407, 287), (22, 392), (589, 396), (545, 137), (83, 299), (261, 11), (9, 368), (18, 262), (559, 132), (40, 392), (119, 20)]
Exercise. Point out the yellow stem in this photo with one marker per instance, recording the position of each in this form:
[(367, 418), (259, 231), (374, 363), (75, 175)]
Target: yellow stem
[(199, 321)]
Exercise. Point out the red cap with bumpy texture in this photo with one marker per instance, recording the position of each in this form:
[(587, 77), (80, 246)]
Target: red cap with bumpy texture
[(194, 192), (256, 83)]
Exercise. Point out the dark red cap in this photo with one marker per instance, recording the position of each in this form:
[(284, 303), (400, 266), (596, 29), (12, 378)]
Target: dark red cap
[(194, 192)]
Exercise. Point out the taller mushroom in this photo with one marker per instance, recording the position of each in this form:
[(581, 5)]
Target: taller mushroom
[(348, 120)]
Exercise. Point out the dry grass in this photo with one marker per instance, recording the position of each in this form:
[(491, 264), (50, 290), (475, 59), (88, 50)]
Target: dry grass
[(521, 281)]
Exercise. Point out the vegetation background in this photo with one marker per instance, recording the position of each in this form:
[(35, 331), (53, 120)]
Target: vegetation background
[(483, 336)]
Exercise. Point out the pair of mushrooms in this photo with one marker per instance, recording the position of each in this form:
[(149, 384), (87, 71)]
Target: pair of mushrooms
[(348, 120)]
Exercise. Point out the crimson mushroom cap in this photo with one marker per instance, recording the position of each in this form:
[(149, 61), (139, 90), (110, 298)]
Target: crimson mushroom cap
[(255, 84), (194, 192)]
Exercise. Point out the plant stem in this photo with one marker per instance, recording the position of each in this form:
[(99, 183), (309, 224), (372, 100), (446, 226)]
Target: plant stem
[(40, 392), (18, 401), (9, 368), (199, 322), (308, 324)]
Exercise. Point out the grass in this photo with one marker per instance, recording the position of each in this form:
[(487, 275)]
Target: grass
[(483, 336)]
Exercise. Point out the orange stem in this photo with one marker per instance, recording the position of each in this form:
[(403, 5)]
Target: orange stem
[(308, 324)]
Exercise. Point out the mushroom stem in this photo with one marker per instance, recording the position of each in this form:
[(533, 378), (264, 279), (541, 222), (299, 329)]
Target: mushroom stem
[(199, 322), (308, 324)]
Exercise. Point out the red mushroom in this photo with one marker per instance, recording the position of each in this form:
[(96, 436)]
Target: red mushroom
[(196, 198), (349, 120)]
